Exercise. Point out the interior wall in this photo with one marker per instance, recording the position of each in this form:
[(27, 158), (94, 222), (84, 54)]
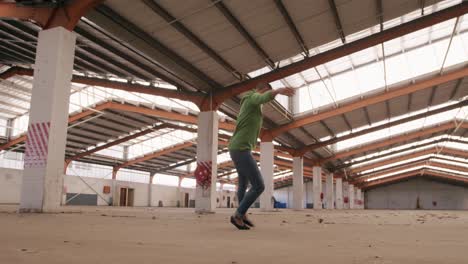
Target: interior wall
[(433, 195), (168, 196), (285, 195)]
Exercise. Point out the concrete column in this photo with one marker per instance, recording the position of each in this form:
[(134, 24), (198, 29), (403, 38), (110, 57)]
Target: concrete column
[(125, 152), (298, 183), (339, 193), (351, 197), (317, 186), (207, 151), (114, 191), (42, 186), (359, 201), (294, 102), (267, 166), (330, 197), (179, 183), (150, 189), (9, 128), (345, 195)]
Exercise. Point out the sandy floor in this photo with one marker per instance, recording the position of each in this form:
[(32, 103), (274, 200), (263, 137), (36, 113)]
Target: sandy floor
[(153, 235)]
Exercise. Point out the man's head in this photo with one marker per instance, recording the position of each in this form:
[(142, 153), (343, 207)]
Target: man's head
[(263, 87)]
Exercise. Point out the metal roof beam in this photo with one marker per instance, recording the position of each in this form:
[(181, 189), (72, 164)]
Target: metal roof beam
[(396, 139), (240, 28), (430, 151), (370, 100), (66, 16), (409, 165), (347, 49), (380, 127), (167, 57), (336, 17), (292, 27), (411, 174), (121, 54), (158, 9), (155, 155), (194, 97), (350, 164)]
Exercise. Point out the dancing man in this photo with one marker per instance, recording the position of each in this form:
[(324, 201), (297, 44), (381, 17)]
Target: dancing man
[(244, 140)]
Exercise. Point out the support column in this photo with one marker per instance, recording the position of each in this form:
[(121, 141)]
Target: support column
[(330, 197), (298, 183), (345, 195), (267, 166), (351, 197), (42, 186), (114, 191), (150, 189), (339, 193), (9, 129), (317, 186), (359, 201), (207, 151)]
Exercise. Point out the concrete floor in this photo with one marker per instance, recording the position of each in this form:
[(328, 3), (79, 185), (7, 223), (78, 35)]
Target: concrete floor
[(165, 235)]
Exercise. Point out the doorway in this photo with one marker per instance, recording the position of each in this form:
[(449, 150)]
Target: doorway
[(228, 202), (186, 200), (127, 196)]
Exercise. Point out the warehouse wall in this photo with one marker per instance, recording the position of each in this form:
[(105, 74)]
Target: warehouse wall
[(10, 190), (285, 195), (431, 194)]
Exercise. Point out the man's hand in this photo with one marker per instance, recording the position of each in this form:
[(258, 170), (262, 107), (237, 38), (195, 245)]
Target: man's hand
[(288, 91)]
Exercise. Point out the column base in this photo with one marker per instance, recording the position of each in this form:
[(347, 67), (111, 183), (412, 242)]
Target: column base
[(30, 211), (204, 211), (274, 210)]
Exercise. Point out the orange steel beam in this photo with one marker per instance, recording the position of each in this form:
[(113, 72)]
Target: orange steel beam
[(302, 151), (194, 97), (155, 155), (434, 150), (344, 50), (373, 99), (411, 174), (130, 108), (394, 140), (401, 176), (424, 162), (360, 179), (115, 142), (166, 115), (405, 149), (66, 16), (71, 119)]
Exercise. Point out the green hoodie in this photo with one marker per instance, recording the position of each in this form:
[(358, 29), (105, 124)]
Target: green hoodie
[(249, 121)]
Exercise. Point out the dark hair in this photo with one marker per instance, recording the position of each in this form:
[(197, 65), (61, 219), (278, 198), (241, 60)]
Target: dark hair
[(263, 85)]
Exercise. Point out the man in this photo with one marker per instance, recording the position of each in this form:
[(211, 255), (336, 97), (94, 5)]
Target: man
[(248, 125)]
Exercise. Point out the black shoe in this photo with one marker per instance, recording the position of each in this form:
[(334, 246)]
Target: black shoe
[(240, 227), (248, 222)]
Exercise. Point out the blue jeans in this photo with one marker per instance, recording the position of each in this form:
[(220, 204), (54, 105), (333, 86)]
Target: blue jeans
[(247, 171)]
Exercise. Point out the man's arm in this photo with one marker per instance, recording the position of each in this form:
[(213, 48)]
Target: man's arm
[(262, 98)]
